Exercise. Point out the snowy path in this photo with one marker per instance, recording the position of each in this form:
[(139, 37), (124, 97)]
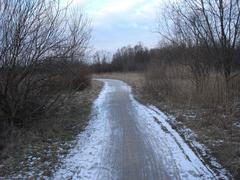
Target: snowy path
[(126, 140)]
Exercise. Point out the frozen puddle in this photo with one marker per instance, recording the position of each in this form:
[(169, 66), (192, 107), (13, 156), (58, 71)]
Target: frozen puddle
[(127, 140)]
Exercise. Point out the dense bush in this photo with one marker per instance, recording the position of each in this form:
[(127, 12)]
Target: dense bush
[(41, 57)]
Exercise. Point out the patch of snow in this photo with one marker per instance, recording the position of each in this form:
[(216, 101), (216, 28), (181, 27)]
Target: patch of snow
[(188, 162), (196, 151), (85, 159), (237, 124)]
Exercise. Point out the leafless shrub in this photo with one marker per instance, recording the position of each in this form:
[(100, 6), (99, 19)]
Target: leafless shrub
[(40, 57), (101, 62), (212, 25), (168, 82)]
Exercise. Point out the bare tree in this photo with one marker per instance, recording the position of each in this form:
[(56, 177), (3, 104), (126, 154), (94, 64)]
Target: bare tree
[(213, 24), (37, 39), (101, 62)]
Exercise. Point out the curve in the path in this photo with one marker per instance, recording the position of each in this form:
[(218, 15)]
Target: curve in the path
[(126, 140)]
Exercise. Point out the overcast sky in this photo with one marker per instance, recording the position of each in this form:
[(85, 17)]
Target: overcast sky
[(117, 23)]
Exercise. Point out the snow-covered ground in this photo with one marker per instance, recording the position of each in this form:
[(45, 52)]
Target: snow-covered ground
[(187, 161), (84, 161), (92, 158)]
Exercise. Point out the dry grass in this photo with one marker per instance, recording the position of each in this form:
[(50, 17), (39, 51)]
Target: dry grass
[(135, 79), (212, 112), (38, 148)]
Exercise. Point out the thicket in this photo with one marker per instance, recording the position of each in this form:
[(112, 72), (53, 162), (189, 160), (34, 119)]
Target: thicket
[(42, 53)]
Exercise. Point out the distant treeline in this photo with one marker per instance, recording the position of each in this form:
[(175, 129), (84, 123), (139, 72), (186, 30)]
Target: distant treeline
[(125, 59), (138, 57)]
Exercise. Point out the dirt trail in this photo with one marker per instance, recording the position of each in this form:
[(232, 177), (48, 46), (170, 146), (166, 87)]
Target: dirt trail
[(126, 140)]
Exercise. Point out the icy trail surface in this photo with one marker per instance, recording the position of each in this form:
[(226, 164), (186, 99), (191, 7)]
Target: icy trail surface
[(126, 140)]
